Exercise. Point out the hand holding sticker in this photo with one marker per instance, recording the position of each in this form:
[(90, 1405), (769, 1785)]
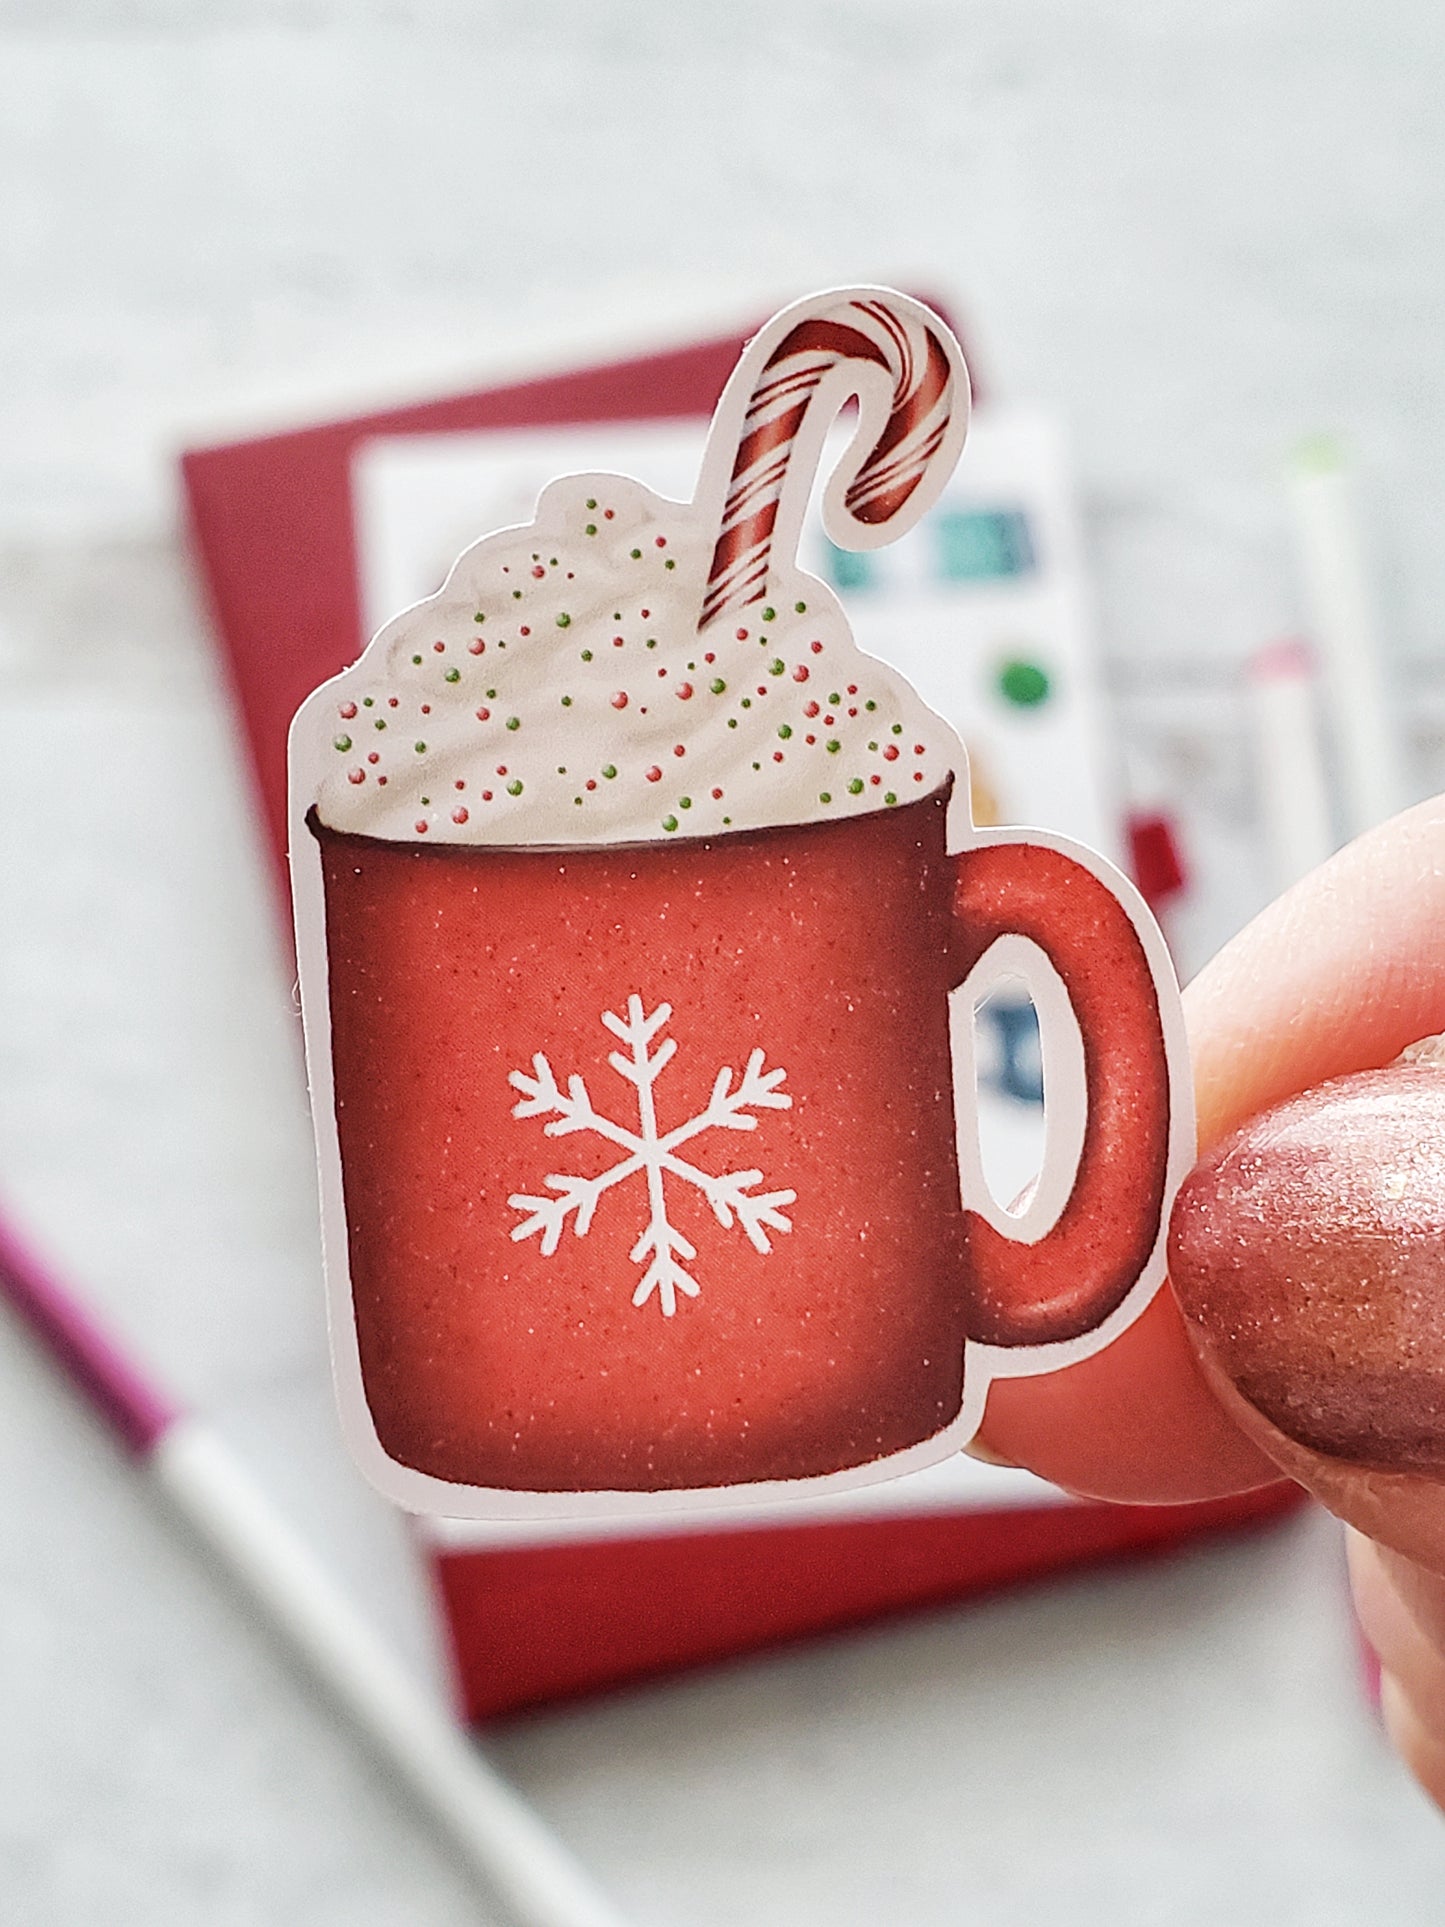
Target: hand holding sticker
[(635, 907)]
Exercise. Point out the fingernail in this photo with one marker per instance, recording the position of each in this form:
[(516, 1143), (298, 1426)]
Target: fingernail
[(1306, 1251)]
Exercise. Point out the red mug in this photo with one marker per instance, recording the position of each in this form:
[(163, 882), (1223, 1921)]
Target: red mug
[(650, 1178)]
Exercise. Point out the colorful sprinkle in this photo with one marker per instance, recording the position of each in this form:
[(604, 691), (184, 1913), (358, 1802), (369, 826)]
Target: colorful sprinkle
[(459, 814), (341, 742), (356, 776), (422, 826), (684, 691), (669, 823), (654, 775), (452, 675), (717, 686), (609, 770), (514, 722), (564, 621), (619, 699), (514, 788), (785, 730)]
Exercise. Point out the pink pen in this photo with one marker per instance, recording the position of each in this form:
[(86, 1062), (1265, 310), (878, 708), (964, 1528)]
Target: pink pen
[(496, 1833)]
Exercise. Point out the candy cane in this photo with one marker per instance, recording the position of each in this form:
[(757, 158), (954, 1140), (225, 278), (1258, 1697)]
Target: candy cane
[(901, 473)]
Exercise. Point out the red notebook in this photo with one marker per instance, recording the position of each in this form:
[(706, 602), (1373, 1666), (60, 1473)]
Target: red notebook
[(534, 1618)]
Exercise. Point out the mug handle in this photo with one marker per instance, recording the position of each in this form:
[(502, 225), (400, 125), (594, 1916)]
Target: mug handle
[(1063, 1284)]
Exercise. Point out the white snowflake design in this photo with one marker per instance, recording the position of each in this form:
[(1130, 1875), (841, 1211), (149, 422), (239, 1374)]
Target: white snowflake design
[(730, 1193)]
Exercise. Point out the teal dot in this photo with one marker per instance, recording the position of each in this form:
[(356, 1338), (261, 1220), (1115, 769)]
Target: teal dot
[(341, 742), (1025, 684)]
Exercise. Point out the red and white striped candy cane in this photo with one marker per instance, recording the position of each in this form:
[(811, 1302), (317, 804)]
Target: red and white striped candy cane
[(900, 474)]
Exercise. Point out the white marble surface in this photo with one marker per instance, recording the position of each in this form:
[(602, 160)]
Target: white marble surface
[(1202, 232)]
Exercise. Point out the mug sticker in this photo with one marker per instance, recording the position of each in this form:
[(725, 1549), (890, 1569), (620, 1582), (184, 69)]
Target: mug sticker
[(636, 906)]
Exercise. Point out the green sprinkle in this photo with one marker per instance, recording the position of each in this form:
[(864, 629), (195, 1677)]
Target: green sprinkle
[(561, 769), (669, 563), (514, 788), (564, 621), (652, 642), (586, 655), (834, 746), (416, 659), (825, 796), (367, 702), (757, 765), (514, 722), (768, 614), (747, 702), (870, 705), (426, 802), (590, 530), (898, 729), (420, 748), (341, 742), (380, 723), (452, 675), (592, 501), (566, 702), (609, 771), (889, 797), (726, 821), (636, 555), (669, 823), (717, 685), (684, 802), (732, 722), (577, 799), (800, 608), (872, 746), (479, 618), (785, 730), (855, 786), (1025, 684), (775, 667), (516, 595), (834, 699), (491, 695)]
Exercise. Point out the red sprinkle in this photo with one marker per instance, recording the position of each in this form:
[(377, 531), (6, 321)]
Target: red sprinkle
[(617, 642), (875, 779), (662, 672), (539, 572), (459, 815), (619, 700), (777, 756), (356, 776), (827, 722), (645, 613), (477, 646), (607, 515), (484, 715), (816, 647), (800, 674), (374, 757), (918, 749), (679, 749), (852, 712), (460, 784), (742, 635), (524, 630), (501, 769), (684, 690), (918, 776), (810, 739), (810, 709), (391, 702), (382, 781), (486, 796), (717, 796), (426, 709), (422, 826), (709, 657), (762, 689), (661, 541), (347, 711), (890, 752), (591, 783), (852, 689), (654, 775), (440, 648)]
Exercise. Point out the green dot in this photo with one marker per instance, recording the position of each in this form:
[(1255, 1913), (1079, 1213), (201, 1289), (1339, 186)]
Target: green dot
[(592, 501), (416, 659), (1024, 684), (514, 788), (609, 771), (833, 746), (898, 729), (732, 722), (669, 564), (652, 642), (516, 595), (775, 667), (586, 655), (566, 702), (577, 800), (380, 723), (551, 562), (855, 786), (479, 618), (785, 730), (591, 530), (636, 555), (420, 748), (870, 706), (872, 746), (800, 608), (426, 802), (669, 823), (561, 769), (564, 621), (717, 685), (684, 802), (368, 702), (834, 700), (514, 722), (769, 614), (825, 796), (757, 765), (452, 675), (726, 821), (491, 695), (341, 742), (889, 797)]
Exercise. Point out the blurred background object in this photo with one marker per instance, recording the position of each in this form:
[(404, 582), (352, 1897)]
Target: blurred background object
[(1193, 240)]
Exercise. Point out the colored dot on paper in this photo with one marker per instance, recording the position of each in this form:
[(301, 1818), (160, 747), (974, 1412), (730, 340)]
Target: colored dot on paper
[(1024, 684)]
